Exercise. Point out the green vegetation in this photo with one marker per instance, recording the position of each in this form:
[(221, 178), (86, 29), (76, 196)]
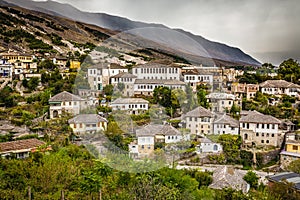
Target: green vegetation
[(252, 179)]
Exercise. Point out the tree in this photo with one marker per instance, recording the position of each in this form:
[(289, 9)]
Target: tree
[(121, 86), (47, 64), (294, 166), (202, 100), (33, 83), (191, 100), (162, 96), (108, 90), (252, 179), (231, 147), (289, 70), (234, 111)]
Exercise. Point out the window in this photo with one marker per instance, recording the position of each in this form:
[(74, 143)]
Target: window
[(257, 125), (262, 126), (143, 146), (149, 147), (257, 134), (262, 141), (267, 142), (268, 126), (262, 134), (267, 134), (272, 135), (295, 147)]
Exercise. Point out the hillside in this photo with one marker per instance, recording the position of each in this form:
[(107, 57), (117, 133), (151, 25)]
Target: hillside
[(212, 50)]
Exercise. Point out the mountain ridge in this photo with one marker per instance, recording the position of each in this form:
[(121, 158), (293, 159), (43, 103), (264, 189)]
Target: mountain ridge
[(215, 50)]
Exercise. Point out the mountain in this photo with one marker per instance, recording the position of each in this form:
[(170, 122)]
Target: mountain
[(156, 32)]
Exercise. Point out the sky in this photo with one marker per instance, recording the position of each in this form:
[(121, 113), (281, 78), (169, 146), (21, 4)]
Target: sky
[(268, 30)]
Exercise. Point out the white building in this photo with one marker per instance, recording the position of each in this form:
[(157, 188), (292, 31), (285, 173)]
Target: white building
[(196, 77), (127, 79), (157, 71), (199, 121), (153, 134), (207, 146), (259, 129), (6, 69), (99, 74), (88, 123), (224, 124), (66, 102), (147, 86), (132, 105), (280, 87), (220, 102)]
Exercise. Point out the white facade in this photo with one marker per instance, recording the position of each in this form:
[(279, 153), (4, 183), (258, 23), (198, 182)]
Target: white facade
[(280, 87), (99, 75), (220, 102), (146, 87), (224, 124), (208, 146), (157, 71), (6, 69), (88, 123), (133, 105)]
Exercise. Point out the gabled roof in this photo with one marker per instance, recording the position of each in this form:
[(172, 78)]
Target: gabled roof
[(278, 84), (290, 177), (159, 81), (199, 112), (227, 177), (87, 119), (153, 65), (129, 101), (157, 129), (257, 117), (220, 95), (198, 72), (99, 66), (225, 119), (124, 75), (20, 145), (65, 96)]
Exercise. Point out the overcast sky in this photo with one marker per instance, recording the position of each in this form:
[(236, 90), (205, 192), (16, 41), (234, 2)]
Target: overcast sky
[(258, 27)]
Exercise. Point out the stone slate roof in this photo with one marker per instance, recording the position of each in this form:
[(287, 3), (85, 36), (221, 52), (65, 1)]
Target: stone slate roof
[(205, 140), (257, 117), (227, 177), (129, 101), (20, 145), (159, 81), (152, 65), (87, 119), (218, 95), (65, 96), (199, 112), (124, 75), (198, 72), (225, 119), (278, 84), (290, 177), (157, 129)]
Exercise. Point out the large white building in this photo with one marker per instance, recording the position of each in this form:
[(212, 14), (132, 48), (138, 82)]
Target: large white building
[(224, 124), (66, 102), (280, 87), (99, 75), (157, 71), (199, 121), (132, 105), (259, 129), (147, 86)]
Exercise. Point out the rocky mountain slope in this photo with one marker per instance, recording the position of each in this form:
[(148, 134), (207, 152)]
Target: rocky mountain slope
[(160, 34)]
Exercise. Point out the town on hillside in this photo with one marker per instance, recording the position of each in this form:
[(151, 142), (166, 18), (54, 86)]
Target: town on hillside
[(220, 119)]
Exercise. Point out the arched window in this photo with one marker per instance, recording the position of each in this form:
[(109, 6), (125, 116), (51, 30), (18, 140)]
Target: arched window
[(246, 136), (215, 147)]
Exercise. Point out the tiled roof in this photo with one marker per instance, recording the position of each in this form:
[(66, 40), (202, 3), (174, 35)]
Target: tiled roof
[(129, 101), (87, 119), (99, 66), (227, 177), (257, 117), (278, 84), (225, 119), (65, 96), (124, 75), (199, 112), (205, 140), (20, 145), (157, 129), (198, 72)]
